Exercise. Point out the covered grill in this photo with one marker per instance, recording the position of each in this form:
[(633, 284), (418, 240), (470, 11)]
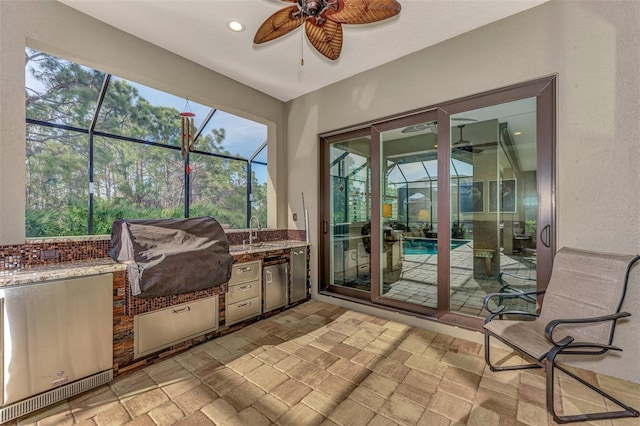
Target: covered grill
[(171, 256)]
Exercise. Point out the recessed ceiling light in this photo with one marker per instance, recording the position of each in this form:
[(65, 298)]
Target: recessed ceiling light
[(235, 26), (517, 133)]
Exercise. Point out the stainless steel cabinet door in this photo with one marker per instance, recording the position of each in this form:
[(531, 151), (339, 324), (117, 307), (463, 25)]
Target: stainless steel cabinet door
[(276, 286), (56, 332)]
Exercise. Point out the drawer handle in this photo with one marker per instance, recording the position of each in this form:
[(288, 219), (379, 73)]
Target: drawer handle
[(245, 269), (242, 305), (181, 310), (244, 287)]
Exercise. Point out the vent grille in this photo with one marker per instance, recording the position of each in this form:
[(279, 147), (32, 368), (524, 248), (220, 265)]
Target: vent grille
[(42, 400)]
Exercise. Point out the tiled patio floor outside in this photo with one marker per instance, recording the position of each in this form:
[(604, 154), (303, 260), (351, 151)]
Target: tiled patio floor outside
[(322, 364), (417, 280)]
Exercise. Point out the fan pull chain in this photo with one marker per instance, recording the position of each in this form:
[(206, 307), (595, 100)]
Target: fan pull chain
[(301, 48)]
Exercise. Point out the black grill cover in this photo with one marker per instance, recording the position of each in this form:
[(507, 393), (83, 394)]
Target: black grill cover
[(171, 256)]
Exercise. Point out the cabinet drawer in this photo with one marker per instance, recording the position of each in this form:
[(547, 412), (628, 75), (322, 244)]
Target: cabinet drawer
[(159, 329), (243, 310), (243, 272), (243, 291)]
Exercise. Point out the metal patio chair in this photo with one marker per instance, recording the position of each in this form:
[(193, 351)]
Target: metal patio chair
[(580, 308)]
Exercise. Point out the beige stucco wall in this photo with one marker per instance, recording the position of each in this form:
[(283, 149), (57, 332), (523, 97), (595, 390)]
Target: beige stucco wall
[(592, 47), (59, 30)]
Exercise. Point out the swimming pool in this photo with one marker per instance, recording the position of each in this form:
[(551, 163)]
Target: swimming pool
[(419, 246)]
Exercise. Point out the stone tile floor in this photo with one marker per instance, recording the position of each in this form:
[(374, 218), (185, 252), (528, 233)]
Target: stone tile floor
[(320, 364)]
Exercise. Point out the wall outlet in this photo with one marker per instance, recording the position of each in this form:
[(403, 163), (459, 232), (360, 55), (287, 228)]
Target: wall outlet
[(49, 254), (295, 216)]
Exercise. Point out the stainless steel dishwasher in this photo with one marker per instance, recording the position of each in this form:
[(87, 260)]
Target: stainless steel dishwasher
[(275, 286), (57, 341)]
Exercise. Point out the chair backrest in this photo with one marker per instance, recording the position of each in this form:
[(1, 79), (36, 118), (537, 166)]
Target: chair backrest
[(586, 284)]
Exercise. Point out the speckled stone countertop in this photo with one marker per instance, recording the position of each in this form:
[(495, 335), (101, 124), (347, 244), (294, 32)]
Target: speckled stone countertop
[(266, 246), (59, 271), (66, 270)]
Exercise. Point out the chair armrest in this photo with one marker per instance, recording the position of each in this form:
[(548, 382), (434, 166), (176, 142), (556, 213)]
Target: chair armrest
[(567, 340), (500, 309)]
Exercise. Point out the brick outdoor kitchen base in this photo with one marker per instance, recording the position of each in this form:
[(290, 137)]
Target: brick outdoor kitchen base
[(125, 307)]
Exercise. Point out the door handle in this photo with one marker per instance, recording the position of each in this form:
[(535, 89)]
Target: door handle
[(546, 232)]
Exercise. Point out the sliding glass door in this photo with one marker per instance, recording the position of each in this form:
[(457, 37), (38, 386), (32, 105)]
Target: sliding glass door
[(430, 212), (494, 205), (408, 199), (348, 196)]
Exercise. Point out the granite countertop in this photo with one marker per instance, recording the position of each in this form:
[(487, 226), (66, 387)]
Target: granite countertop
[(266, 246), (59, 271), (65, 270)]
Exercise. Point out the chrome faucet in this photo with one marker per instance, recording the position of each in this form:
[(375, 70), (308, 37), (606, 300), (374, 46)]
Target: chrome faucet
[(251, 231)]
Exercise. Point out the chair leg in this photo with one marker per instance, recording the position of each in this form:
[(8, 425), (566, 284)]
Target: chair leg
[(487, 358), (551, 366)]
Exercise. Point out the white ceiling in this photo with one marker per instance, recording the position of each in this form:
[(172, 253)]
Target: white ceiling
[(197, 30)]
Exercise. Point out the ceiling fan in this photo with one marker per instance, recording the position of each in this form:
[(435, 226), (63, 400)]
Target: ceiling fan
[(464, 145), (323, 21)]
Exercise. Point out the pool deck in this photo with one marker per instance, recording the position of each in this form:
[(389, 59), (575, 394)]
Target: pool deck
[(417, 283)]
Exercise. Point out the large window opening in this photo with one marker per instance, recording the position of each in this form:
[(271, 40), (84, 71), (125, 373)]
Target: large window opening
[(100, 147)]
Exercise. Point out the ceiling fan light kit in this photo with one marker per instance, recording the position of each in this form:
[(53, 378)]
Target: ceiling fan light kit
[(323, 21)]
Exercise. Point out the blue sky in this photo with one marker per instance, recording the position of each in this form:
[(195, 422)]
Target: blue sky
[(242, 136)]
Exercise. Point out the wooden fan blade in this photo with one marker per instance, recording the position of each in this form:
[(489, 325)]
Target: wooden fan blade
[(364, 11), (278, 24), (326, 38)]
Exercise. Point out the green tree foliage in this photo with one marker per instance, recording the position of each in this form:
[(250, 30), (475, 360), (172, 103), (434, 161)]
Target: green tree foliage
[(131, 180)]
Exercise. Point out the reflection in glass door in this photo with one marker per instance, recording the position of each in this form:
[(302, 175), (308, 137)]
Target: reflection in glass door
[(350, 216), (494, 205)]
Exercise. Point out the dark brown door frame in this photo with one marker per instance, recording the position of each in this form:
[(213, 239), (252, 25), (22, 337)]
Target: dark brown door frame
[(377, 129), (324, 231), (544, 89)]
